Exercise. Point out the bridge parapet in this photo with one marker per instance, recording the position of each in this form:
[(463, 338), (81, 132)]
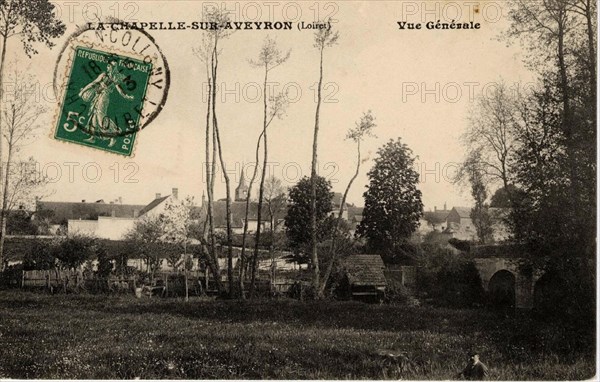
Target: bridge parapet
[(499, 251)]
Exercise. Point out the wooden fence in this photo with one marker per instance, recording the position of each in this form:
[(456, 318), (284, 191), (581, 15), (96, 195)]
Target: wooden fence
[(166, 284)]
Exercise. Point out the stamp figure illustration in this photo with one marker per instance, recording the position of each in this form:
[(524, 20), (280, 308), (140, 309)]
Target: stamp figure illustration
[(103, 100)]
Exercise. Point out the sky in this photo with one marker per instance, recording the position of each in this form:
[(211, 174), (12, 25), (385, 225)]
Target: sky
[(419, 84)]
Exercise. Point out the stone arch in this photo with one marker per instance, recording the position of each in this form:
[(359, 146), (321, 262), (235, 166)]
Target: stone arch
[(502, 289)]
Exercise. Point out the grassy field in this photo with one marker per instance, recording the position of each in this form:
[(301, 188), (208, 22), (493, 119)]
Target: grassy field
[(83, 336)]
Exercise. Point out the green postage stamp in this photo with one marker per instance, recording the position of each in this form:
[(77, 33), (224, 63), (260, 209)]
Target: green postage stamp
[(103, 100)]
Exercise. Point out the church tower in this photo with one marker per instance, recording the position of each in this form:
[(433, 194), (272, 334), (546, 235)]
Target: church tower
[(241, 192)]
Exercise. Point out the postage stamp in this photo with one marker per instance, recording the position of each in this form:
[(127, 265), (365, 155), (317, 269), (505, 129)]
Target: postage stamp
[(103, 100), (111, 84)]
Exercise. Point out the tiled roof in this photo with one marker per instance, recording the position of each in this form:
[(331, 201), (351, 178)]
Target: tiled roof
[(365, 270), (463, 212), (436, 217), (153, 204), (63, 211)]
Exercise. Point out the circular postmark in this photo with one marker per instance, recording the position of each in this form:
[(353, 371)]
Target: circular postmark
[(111, 83)]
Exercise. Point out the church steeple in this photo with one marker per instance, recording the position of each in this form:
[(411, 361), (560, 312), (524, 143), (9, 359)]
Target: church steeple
[(241, 192)]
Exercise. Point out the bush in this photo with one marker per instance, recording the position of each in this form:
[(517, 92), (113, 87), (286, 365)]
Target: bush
[(449, 279), (39, 256)]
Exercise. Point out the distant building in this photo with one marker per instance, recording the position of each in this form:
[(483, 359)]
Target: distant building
[(436, 220), (460, 225)]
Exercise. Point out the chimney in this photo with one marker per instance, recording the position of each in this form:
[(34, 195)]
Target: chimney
[(135, 213), (157, 195), (175, 193)]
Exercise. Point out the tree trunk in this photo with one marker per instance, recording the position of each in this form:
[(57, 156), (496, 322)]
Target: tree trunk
[(225, 175), (272, 248), (333, 250), (261, 188), (4, 210), (213, 262), (314, 258), (245, 234), (591, 49), (4, 190)]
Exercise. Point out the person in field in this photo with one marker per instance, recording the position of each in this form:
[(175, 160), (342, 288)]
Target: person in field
[(475, 369)]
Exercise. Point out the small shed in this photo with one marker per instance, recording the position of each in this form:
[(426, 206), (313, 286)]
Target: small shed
[(366, 277)]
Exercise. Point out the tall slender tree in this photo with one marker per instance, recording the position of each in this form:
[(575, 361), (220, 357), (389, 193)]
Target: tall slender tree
[(269, 57), (220, 18), (204, 52), (324, 38), (363, 129)]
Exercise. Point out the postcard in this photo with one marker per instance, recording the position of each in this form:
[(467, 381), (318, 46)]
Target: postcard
[(292, 190)]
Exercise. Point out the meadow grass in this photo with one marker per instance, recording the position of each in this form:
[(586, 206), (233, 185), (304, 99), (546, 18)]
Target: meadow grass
[(116, 337)]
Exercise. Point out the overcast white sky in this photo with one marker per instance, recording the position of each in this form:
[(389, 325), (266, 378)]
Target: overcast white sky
[(374, 67)]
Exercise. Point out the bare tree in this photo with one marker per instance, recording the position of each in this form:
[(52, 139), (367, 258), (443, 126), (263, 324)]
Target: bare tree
[(324, 38), (21, 117), (363, 129), (490, 137), (269, 57)]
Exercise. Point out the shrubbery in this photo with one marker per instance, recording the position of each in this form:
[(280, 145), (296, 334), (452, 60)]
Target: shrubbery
[(448, 279)]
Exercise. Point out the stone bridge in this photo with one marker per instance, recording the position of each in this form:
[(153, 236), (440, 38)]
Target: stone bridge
[(502, 277)]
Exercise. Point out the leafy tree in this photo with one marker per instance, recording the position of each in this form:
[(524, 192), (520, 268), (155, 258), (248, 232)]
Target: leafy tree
[(39, 256), (177, 226), (393, 203), (502, 196), (324, 38), (144, 240), (19, 223), (555, 163), (480, 214), (74, 250), (299, 214)]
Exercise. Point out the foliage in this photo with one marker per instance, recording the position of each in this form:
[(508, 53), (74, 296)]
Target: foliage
[(74, 250), (19, 223), (298, 214), (461, 245), (143, 240), (39, 256), (555, 158), (502, 197), (480, 214), (32, 20), (393, 203), (449, 279), (105, 262)]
